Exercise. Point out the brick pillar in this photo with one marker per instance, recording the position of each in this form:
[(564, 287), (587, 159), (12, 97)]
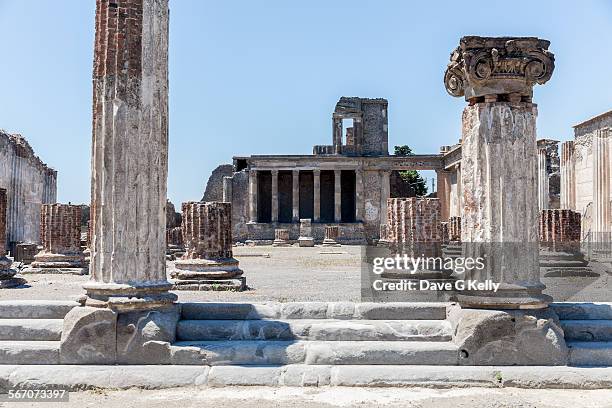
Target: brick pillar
[(568, 176), (208, 263), (253, 196), (454, 229), (560, 229), (281, 237), (317, 195), (60, 234), (7, 275), (332, 232), (414, 229), (130, 156), (274, 195)]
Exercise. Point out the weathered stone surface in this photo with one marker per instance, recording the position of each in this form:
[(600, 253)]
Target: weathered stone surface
[(31, 329), (144, 337), (318, 329), (29, 352), (281, 237), (214, 185), (331, 236), (29, 184), (130, 156), (35, 309), (483, 66), (7, 274), (89, 336), (306, 239), (488, 337), (501, 209)]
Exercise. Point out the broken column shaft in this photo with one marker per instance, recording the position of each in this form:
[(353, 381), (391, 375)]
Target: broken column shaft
[(208, 263), (7, 274)]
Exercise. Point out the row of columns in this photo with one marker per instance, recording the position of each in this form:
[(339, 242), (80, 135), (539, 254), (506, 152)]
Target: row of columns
[(296, 195), (543, 185)]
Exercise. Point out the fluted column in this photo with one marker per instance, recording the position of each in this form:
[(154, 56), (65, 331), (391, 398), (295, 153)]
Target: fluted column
[(317, 195), (296, 196), (130, 155), (601, 184), (568, 180), (274, 195), (7, 274), (499, 166), (253, 196), (543, 189), (337, 196)]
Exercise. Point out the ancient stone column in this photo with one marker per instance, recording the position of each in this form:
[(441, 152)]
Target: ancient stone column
[(332, 232), (499, 164), (130, 156), (305, 239), (274, 205), (443, 192), (317, 195), (281, 237), (227, 189), (568, 177), (60, 233), (253, 196), (208, 263), (337, 196), (543, 188), (601, 186), (385, 192), (359, 196), (7, 274), (295, 195)]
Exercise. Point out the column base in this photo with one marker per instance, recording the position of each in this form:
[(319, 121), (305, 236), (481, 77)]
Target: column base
[(306, 241), (508, 296), (45, 262), (281, 243), (122, 297), (208, 274), (8, 278), (328, 242)]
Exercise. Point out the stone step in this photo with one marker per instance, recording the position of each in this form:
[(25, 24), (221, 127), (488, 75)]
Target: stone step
[(29, 352), (35, 309), (583, 311), (315, 329), (314, 310), (590, 353), (31, 329), (587, 330), (264, 352)]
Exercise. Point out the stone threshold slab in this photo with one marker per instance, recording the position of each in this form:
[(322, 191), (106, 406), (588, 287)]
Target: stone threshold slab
[(76, 378)]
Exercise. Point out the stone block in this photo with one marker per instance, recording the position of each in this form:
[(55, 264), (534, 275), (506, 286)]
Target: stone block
[(89, 336)]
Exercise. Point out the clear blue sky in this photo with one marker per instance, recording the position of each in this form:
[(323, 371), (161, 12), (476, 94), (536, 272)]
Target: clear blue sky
[(257, 77)]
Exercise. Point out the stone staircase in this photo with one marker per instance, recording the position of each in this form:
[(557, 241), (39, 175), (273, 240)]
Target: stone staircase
[(30, 331), (314, 334), (588, 332)]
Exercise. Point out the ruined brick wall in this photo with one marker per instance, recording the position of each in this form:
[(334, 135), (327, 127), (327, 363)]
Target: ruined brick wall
[(2, 222), (454, 228), (60, 228), (559, 227), (174, 236), (214, 185), (240, 205), (173, 218), (207, 230), (29, 183), (412, 221)]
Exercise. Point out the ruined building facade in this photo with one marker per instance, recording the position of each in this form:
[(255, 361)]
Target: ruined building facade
[(29, 183), (586, 164), (345, 184)]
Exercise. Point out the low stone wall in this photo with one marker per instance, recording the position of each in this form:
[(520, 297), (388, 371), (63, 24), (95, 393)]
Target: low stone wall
[(559, 228), (348, 233)]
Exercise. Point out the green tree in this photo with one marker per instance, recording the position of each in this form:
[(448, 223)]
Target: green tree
[(411, 177)]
